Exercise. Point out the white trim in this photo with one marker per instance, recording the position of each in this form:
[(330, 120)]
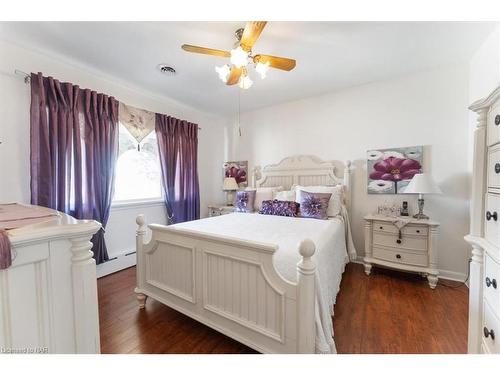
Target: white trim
[(443, 274), (121, 262), (123, 205), (453, 276)]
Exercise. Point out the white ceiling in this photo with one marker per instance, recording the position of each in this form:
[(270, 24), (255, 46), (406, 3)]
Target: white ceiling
[(330, 55)]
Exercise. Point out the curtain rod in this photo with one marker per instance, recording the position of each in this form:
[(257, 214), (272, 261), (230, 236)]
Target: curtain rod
[(27, 77), (27, 80)]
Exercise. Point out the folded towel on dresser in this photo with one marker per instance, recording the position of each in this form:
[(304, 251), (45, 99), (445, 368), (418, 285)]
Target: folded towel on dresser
[(5, 252), (400, 223)]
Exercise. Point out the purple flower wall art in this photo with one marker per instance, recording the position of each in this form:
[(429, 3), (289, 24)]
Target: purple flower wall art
[(391, 170), (238, 170)]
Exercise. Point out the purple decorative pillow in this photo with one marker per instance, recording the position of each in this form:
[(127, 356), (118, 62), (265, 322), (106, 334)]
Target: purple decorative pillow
[(279, 208), (244, 200), (313, 205)]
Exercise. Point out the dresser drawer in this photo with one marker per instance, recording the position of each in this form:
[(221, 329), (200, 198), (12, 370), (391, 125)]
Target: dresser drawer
[(494, 167), (417, 230), (484, 350), (491, 328), (401, 257), (413, 243), (491, 284), (494, 124), (492, 219)]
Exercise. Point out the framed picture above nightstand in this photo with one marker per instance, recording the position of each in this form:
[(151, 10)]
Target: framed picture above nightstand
[(405, 244), (219, 209)]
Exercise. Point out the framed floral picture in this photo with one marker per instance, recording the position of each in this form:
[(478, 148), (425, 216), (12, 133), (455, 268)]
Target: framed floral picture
[(391, 170), (238, 170)]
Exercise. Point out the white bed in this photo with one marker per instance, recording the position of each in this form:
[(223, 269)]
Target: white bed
[(269, 282)]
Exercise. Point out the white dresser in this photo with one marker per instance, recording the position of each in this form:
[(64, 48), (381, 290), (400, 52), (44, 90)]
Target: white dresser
[(484, 236), (413, 249), (48, 296)]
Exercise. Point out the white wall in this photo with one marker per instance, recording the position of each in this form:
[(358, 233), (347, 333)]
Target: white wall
[(14, 134), (428, 108), (484, 70)]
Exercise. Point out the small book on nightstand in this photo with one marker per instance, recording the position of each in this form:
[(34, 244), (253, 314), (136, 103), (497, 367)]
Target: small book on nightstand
[(219, 209)]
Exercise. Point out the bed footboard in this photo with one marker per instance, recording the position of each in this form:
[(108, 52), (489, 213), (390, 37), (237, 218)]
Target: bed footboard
[(229, 285)]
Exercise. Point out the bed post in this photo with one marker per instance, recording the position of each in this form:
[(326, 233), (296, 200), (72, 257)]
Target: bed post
[(347, 185), (139, 245), (306, 270), (256, 175)]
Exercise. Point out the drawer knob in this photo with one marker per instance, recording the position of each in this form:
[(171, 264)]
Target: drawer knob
[(398, 256), (418, 231), (381, 227), (492, 283), (497, 120), (398, 241), (497, 168), (490, 216), (490, 333)]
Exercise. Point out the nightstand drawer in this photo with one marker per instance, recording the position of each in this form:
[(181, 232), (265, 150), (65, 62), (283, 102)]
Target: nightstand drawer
[(491, 283), (417, 230), (406, 242), (403, 257), (490, 330)]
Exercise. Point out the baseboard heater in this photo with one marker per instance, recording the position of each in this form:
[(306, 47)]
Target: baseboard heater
[(117, 263)]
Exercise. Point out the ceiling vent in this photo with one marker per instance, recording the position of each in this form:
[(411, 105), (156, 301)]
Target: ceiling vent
[(167, 70)]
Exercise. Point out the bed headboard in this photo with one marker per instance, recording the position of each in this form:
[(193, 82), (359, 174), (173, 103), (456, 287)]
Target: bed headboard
[(305, 170)]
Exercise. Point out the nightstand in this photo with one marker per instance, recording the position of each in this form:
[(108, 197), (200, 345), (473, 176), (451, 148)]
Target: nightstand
[(415, 250), (219, 209)]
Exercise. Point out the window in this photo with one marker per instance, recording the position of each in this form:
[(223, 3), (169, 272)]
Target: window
[(138, 172)]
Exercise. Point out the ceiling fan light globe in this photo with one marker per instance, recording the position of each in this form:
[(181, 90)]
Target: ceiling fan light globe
[(245, 83), (239, 57), (262, 69), (223, 72)]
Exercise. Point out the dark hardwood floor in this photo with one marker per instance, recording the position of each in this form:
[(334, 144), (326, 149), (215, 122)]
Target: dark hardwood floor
[(387, 312)]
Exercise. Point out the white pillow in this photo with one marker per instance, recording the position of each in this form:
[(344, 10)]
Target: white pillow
[(264, 194), (335, 203), (287, 195)]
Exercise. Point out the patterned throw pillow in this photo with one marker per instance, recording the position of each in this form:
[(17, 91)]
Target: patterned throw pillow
[(313, 205), (244, 201), (279, 208)]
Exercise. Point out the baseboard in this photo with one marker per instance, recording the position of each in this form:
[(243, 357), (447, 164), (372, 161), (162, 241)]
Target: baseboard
[(443, 274), (127, 260), (452, 275), (120, 262)]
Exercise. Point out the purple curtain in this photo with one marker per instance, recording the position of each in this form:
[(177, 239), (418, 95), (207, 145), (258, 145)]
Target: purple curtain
[(74, 146), (178, 146)]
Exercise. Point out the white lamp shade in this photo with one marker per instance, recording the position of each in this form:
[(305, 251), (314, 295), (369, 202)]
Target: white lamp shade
[(422, 183), (230, 184)]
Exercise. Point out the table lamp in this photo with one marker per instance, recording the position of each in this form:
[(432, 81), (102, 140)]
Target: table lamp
[(230, 186), (420, 184)]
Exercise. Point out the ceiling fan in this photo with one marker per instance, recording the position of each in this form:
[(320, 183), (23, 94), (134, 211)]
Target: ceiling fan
[(241, 57)]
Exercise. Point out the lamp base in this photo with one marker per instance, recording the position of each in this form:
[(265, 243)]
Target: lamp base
[(420, 216), (230, 197)]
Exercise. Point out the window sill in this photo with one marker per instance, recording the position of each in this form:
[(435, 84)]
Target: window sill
[(123, 205)]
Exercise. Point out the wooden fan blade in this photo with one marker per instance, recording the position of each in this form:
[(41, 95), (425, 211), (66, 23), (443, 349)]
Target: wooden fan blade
[(205, 51), (282, 63), (234, 76), (251, 33)]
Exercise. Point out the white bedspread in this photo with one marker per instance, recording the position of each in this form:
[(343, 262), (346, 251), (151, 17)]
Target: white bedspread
[(286, 232)]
